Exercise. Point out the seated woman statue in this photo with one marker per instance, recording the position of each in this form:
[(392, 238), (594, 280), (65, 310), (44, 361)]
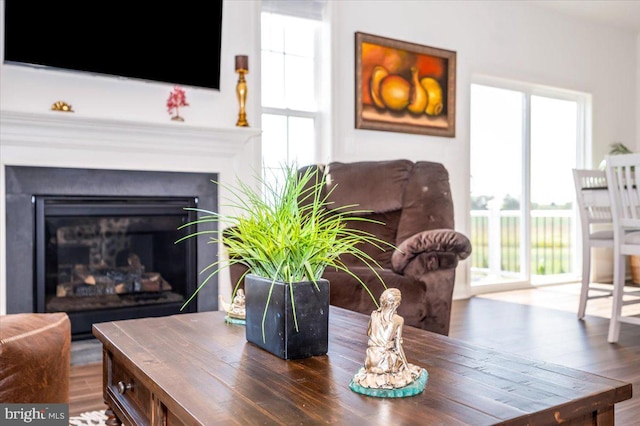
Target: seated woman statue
[(237, 307), (386, 365)]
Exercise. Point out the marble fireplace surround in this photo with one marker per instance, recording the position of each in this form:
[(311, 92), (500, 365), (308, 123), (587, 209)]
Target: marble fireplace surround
[(65, 140)]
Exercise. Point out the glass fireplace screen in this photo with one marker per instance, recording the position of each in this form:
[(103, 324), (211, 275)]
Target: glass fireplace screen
[(102, 253)]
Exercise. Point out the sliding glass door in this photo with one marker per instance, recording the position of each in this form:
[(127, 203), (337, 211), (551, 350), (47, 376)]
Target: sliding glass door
[(497, 176), (525, 141), (554, 136)]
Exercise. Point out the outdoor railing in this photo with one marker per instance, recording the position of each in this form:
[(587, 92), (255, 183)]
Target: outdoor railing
[(551, 241)]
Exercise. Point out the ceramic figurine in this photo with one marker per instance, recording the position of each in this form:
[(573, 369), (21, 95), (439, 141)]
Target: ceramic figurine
[(235, 310), (386, 366)]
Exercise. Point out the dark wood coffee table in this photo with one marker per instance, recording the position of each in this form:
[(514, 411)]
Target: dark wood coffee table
[(196, 369)]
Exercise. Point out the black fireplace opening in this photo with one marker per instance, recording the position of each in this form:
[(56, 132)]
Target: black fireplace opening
[(113, 258)]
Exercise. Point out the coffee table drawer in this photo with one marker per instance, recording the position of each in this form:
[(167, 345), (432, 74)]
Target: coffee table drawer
[(128, 391)]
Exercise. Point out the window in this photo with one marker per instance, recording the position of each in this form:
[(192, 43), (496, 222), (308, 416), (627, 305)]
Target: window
[(523, 221), (290, 75)]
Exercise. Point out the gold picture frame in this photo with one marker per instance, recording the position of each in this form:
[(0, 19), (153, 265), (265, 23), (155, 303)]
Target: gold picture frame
[(404, 87)]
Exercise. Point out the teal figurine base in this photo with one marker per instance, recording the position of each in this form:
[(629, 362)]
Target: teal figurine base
[(410, 390), (230, 320)]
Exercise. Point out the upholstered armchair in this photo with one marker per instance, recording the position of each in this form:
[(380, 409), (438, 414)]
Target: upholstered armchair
[(413, 201), (35, 358)]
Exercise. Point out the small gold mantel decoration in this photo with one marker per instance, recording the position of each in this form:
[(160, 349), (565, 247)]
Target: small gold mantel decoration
[(61, 106), (236, 312), (386, 371)]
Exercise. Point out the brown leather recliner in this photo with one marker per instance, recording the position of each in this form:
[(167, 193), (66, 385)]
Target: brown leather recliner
[(414, 202), (35, 358)]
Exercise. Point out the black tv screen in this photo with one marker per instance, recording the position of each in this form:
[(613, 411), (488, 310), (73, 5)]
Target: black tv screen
[(177, 43)]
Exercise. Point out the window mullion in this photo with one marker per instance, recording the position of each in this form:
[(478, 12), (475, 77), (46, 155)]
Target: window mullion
[(525, 206)]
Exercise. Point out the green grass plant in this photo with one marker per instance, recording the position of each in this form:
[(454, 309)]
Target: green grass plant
[(291, 234)]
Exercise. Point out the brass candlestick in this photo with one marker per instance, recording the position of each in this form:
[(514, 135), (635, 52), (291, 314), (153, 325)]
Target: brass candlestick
[(242, 67)]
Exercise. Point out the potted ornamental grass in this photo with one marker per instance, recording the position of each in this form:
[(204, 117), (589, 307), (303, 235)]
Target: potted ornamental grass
[(286, 238)]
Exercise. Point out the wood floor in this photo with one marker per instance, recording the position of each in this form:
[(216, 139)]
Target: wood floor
[(540, 324), (85, 389)]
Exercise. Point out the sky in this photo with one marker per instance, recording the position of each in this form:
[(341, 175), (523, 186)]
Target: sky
[(497, 145)]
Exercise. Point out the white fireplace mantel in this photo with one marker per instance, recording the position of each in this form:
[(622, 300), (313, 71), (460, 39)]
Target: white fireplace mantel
[(59, 139), (64, 131)]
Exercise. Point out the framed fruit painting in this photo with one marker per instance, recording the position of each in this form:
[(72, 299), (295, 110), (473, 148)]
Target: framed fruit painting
[(404, 87)]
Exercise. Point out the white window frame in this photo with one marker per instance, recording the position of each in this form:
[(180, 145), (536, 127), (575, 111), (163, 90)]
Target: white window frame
[(322, 98)]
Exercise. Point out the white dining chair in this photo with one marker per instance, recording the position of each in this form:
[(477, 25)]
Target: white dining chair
[(596, 221), (624, 192)]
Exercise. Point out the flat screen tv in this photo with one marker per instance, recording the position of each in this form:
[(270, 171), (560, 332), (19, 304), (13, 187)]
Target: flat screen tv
[(177, 43)]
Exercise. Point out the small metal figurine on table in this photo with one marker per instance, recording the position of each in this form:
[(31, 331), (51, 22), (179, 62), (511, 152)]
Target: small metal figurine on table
[(236, 313), (386, 372)]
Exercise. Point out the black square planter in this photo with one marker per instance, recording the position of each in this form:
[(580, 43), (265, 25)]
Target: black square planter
[(280, 335)]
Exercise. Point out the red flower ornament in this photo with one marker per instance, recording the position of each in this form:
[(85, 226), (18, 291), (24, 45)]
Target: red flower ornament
[(177, 99)]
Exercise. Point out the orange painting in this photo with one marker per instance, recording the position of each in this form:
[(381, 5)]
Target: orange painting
[(404, 87)]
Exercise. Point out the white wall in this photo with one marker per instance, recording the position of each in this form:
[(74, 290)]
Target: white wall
[(34, 90), (503, 39), (637, 145)]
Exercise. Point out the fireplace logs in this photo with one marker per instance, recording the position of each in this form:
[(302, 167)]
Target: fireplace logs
[(96, 281)]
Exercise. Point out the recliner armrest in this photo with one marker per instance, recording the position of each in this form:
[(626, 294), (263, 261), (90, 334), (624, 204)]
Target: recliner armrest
[(430, 250)]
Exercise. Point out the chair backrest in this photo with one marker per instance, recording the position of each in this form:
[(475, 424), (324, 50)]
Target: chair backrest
[(624, 190), (593, 206), (406, 197)]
